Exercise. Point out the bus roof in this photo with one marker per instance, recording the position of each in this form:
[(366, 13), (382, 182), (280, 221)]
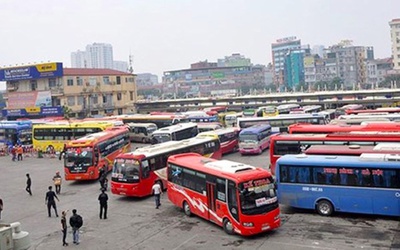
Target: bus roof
[(91, 139), (165, 147), (133, 124), (220, 168), (336, 136), (74, 124), (378, 110), (363, 161), (255, 129), (331, 128), (218, 132), (176, 127), (349, 149)]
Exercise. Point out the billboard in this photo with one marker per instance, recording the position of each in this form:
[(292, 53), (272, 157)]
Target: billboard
[(26, 112), (43, 70), (21, 100)]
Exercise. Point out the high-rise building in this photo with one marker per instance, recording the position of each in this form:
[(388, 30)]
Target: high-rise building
[(99, 56), (234, 60), (121, 66), (395, 36), (279, 52), (79, 59), (318, 50), (294, 68)]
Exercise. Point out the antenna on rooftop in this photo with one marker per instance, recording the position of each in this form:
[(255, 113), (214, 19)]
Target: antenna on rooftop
[(130, 64)]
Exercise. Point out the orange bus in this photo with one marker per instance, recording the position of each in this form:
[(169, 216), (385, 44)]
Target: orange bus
[(239, 197), (134, 173), (333, 128), (87, 155), (282, 144)]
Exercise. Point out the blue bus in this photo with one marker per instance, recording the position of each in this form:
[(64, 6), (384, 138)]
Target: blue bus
[(211, 118), (366, 184), (15, 132), (254, 139)]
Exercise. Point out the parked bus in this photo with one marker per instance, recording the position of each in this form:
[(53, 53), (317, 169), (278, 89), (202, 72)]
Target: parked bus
[(208, 126), (355, 150), (200, 119), (238, 197), (328, 113), (346, 108), (175, 132), (254, 139), (334, 128), (228, 137), (282, 144), (280, 123), (134, 173), (87, 155), (267, 111), (286, 108), (53, 135), (394, 110), (141, 132), (366, 184), (359, 121), (15, 132), (249, 112), (160, 120), (390, 117), (231, 119)]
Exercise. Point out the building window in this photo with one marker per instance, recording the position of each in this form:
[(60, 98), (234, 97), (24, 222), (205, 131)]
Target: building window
[(119, 111), (92, 81), (104, 99), (80, 100), (33, 85), (131, 95), (52, 82), (79, 81), (119, 96), (70, 82), (106, 79), (118, 80), (71, 100), (95, 99)]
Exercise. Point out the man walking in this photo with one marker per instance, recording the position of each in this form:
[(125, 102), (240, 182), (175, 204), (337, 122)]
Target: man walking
[(103, 199), (57, 182), (64, 227), (157, 192), (50, 202), (28, 184), (1, 207), (76, 222)]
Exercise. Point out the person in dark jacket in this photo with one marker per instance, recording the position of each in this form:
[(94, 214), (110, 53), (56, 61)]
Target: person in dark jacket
[(28, 184), (50, 202), (103, 199), (64, 227), (103, 176), (76, 222)]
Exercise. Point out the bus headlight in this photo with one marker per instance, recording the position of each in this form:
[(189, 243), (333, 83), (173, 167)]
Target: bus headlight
[(91, 172), (248, 224), (277, 217)]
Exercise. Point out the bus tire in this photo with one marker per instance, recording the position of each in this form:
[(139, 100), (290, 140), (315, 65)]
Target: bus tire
[(144, 140), (186, 209), (324, 207), (228, 227)]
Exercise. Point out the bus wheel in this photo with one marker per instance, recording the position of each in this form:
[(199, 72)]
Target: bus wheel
[(228, 227), (186, 209), (144, 140), (324, 207)]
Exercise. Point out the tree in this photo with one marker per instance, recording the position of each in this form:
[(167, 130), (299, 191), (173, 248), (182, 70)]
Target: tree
[(390, 80)]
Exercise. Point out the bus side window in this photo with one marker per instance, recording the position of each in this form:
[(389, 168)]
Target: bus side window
[(145, 169)]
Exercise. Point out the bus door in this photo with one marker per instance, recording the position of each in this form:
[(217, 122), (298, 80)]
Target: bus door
[(146, 182), (211, 200)]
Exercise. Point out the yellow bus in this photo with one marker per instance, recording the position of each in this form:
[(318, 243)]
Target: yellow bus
[(53, 135)]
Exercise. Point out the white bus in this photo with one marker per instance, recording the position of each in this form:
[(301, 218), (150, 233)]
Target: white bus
[(231, 119), (141, 132), (286, 108), (175, 132), (280, 123)]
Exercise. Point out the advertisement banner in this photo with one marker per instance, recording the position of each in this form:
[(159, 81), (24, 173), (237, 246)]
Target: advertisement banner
[(43, 70), (22, 100), (43, 111)]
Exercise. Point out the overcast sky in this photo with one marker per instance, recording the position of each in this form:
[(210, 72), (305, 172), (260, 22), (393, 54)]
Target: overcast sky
[(172, 34)]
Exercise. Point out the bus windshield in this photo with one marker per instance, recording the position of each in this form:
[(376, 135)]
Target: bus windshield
[(257, 196), (79, 158), (159, 138), (248, 137), (151, 129), (126, 170)]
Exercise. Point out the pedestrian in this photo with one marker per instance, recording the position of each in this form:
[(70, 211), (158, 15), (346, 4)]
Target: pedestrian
[(102, 179), (103, 199), (1, 206), (64, 227), (57, 182), (19, 151), (28, 184), (63, 152), (50, 202), (75, 221), (157, 191), (13, 153)]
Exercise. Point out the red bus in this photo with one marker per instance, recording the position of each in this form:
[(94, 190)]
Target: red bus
[(373, 111), (342, 110), (282, 144), (134, 173), (87, 155), (228, 137), (355, 150), (333, 128), (239, 197)]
